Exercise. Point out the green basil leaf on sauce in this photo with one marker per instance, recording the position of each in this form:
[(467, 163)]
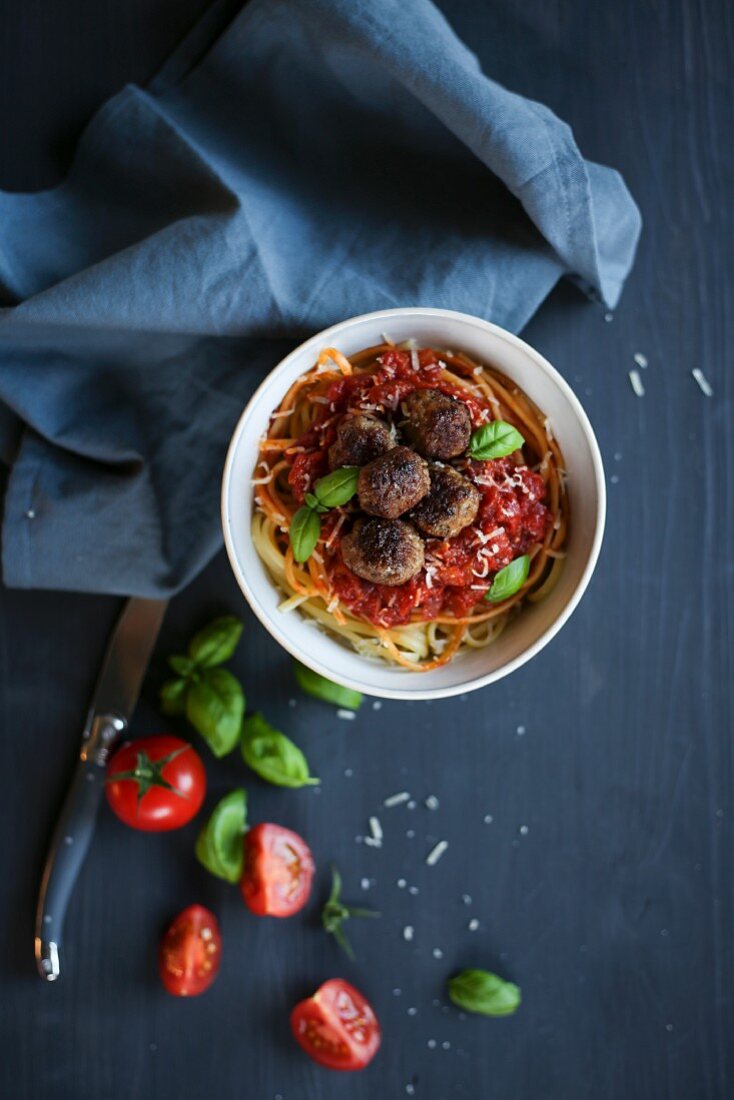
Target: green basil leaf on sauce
[(494, 440), (312, 502), (485, 993), (216, 643), (214, 705), (326, 690), (338, 487), (219, 844), (304, 533), (509, 580), (272, 755)]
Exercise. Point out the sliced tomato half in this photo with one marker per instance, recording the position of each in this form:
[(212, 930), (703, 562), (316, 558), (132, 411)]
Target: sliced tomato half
[(190, 952), (337, 1027), (278, 871)]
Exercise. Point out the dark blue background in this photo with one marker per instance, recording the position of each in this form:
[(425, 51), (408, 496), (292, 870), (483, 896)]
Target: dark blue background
[(615, 910)]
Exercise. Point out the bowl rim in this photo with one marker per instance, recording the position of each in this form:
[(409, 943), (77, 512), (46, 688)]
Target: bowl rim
[(324, 338)]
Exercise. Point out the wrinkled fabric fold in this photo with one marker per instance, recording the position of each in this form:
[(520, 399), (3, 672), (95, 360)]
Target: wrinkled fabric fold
[(323, 158)]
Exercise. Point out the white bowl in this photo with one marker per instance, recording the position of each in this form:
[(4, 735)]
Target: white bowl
[(537, 623)]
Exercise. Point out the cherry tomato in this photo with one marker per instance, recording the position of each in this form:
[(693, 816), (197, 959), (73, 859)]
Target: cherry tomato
[(278, 872), (190, 952), (337, 1027), (156, 783)]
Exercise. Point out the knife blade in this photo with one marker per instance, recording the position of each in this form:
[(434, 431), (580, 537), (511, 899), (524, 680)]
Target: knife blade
[(113, 702)]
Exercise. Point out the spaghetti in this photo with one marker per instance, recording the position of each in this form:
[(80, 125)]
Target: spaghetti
[(523, 508)]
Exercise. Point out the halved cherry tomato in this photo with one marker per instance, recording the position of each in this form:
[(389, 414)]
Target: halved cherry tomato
[(156, 783), (190, 952), (337, 1027), (278, 872)]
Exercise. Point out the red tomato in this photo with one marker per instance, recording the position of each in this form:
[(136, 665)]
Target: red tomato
[(279, 869), (337, 1027), (156, 783), (190, 952)]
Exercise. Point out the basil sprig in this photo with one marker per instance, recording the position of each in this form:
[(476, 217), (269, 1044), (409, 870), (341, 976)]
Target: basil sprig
[(485, 993), (337, 488), (331, 491), (211, 697), (219, 845), (273, 756), (507, 582), (335, 913), (326, 690), (304, 532), (494, 440)]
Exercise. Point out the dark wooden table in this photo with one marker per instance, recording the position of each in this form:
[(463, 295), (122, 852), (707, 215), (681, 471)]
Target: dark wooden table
[(603, 881)]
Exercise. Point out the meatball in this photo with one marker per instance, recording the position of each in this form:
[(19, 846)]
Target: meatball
[(450, 506), (383, 551), (359, 439), (436, 425), (393, 483)]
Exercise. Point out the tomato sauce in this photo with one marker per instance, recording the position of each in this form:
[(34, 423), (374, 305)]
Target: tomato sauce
[(458, 572)]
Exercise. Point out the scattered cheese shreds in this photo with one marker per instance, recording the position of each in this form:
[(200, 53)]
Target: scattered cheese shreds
[(636, 383), (372, 842), (435, 854), (396, 799), (703, 383), (640, 359), (473, 924), (432, 803), (408, 932), (347, 715), (375, 828)]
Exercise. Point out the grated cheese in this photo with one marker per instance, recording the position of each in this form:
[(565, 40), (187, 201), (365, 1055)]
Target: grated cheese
[(703, 383), (347, 715), (408, 932), (375, 828), (387, 339), (396, 799), (636, 383), (333, 535), (414, 360), (640, 359), (435, 854)]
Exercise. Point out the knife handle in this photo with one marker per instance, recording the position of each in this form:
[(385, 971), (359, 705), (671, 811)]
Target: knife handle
[(71, 839)]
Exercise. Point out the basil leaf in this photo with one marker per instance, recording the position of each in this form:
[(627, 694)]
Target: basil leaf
[(273, 755), (338, 487), (312, 502), (219, 844), (494, 440), (485, 993), (184, 666), (509, 579), (304, 533), (173, 697), (216, 643), (321, 688), (214, 706)]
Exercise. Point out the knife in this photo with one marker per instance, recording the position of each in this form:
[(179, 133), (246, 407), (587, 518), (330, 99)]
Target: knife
[(113, 703)]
